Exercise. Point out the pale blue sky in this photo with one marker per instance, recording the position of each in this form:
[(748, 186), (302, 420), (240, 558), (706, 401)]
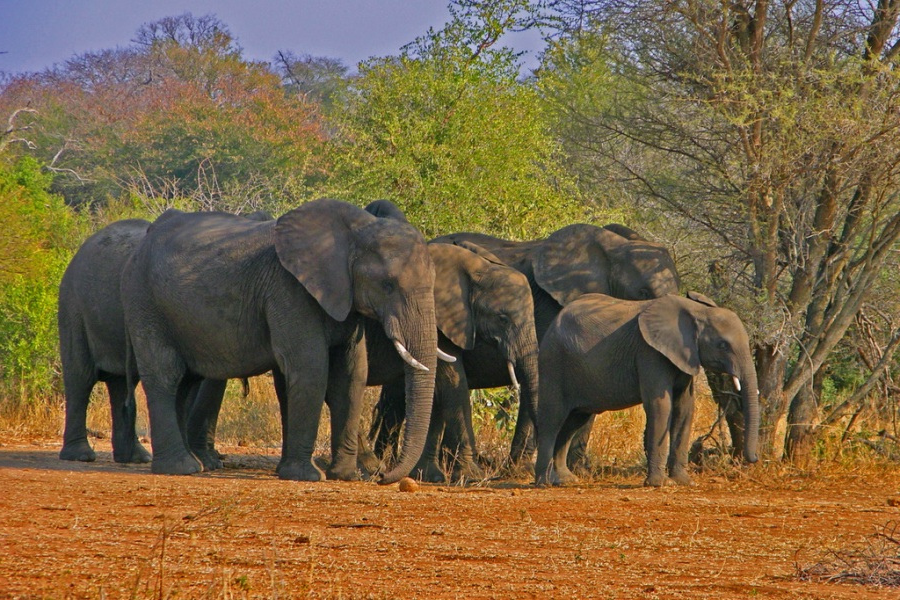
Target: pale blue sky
[(35, 34)]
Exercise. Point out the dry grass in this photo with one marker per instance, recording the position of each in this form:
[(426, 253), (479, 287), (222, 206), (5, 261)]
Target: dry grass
[(876, 563)]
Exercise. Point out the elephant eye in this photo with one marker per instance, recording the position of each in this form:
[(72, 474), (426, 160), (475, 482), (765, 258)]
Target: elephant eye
[(388, 286), (723, 345)]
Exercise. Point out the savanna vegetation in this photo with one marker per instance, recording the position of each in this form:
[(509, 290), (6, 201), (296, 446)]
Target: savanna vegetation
[(757, 139)]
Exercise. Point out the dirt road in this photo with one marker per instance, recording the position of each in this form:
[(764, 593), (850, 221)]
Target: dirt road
[(102, 530)]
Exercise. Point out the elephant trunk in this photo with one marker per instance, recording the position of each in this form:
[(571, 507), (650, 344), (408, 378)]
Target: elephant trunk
[(527, 372), (416, 330), (750, 399)]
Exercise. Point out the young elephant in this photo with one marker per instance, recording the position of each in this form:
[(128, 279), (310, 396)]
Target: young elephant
[(605, 354)]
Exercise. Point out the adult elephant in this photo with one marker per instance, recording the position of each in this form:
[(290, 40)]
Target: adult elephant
[(576, 260), (209, 295), (92, 340), (604, 354), (485, 320)]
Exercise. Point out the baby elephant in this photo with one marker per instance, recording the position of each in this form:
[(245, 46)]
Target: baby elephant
[(604, 354)]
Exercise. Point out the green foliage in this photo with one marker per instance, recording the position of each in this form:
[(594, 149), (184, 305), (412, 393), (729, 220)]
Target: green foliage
[(449, 134), (39, 238)]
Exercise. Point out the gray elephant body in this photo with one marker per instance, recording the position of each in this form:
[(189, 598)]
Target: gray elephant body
[(604, 354), (92, 339), (484, 313), (209, 295), (576, 260)]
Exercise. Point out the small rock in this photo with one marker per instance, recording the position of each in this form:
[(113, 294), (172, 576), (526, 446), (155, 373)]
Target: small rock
[(894, 501), (408, 484)]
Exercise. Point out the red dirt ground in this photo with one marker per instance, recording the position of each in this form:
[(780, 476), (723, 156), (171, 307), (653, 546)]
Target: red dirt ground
[(102, 530)]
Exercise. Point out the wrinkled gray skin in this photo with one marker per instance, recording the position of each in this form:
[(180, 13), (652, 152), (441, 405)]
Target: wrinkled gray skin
[(605, 354), (210, 295), (484, 313), (572, 261), (92, 340)]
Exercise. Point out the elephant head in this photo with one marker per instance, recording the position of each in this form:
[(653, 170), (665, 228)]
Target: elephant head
[(349, 260), (693, 332), (612, 260)]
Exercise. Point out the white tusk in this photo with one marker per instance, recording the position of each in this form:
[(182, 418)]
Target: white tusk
[(512, 375), (737, 382), (405, 355), (445, 357)]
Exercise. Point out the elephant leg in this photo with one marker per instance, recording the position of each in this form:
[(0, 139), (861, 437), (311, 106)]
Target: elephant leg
[(79, 380), (280, 385), (305, 388), (202, 417), (656, 438), (455, 412), (387, 419), (346, 386), (680, 436), (170, 453), (578, 454), (573, 423), (125, 445), (523, 443)]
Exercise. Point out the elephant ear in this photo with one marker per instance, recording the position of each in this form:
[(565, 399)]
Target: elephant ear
[(669, 327), (314, 242), (698, 297), (574, 261), (452, 294), (481, 251), (626, 232)]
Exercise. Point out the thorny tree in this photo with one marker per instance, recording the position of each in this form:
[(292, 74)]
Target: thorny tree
[(774, 125)]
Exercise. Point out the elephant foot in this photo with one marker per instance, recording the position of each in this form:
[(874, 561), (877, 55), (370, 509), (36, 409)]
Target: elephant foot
[(566, 477), (368, 463), (429, 472), (299, 470), (681, 477), (80, 451), (467, 471), (137, 455), (184, 464), (210, 458), (342, 473), (658, 481)]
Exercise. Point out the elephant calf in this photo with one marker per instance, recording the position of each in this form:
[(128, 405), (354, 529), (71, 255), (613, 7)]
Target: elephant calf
[(604, 354)]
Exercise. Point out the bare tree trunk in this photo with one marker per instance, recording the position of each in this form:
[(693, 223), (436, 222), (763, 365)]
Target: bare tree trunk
[(803, 419), (770, 366)]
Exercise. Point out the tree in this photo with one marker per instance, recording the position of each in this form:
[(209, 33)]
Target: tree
[(448, 132), (770, 128)]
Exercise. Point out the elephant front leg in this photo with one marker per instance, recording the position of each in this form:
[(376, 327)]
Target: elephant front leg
[(170, 454), (658, 409), (346, 386), (454, 412), (305, 392), (203, 416), (680, 436)]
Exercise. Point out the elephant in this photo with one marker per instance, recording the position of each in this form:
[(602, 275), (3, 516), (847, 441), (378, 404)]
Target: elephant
[(484, 313), (92, 339), (602, 354), (575, 260), (210, 295)]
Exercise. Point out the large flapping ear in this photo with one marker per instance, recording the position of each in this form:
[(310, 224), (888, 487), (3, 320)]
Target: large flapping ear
[(573, 261), (698, 297), (452, 294), (314, 242), (668, 326)]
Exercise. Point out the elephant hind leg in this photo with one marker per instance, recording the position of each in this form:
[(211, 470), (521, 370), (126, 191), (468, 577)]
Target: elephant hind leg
[(126, 447), (79, 377), (573, 423)]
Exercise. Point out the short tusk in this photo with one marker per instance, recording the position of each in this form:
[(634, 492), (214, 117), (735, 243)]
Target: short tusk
[(445, 357), (405, 355), (512, 375), (737, 382)]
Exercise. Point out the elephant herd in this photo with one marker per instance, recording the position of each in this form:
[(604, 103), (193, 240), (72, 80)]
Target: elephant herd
[(331, 298)]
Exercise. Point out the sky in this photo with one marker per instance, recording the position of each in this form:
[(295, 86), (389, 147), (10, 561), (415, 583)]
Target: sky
[(35, 34)]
